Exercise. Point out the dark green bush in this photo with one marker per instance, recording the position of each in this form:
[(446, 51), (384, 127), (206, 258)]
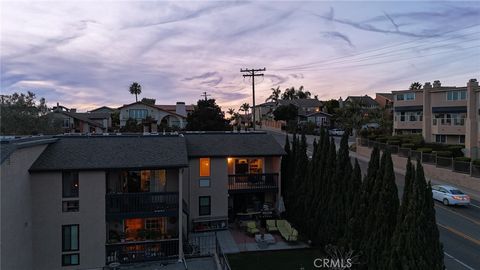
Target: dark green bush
[(393, 142), (408, 145), (456, 150), (476, 162), (465, 159), (425, 150), (381, 139), (444, 153)]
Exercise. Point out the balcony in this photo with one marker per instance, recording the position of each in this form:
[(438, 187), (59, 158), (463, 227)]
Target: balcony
[(238, 183), (145, 204), (448, 126), (145, 251)]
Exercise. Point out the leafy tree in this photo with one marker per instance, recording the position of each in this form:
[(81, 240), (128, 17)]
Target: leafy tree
[(275, 96), (415, 86), (150, 101), (21, 114), (207, 116), (135, 89), (115, 120), (351, 116), (132, 125), (331, 105), (291, 93), (286, 112)]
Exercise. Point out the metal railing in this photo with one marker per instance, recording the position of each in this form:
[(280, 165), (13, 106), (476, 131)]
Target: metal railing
[(126, 253), (265, 181), (428, 158), (141, 203), (222, 258), (199, 245)]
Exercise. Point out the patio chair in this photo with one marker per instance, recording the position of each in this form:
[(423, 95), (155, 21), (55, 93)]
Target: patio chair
[(252, 227), (271, 225), (294, 236)]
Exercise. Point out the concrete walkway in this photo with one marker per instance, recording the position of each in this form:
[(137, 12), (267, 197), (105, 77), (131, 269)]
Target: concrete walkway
[(204, 263)]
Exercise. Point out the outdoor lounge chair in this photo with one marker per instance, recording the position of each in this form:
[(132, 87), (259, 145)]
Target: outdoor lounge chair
[(271, 225), (286, 230), (252, 227)]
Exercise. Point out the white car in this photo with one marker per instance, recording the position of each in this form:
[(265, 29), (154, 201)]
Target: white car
[(450, 195), (336, 132)]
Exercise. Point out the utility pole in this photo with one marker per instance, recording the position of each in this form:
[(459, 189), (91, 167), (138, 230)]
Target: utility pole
[(205, 95), (252, 73)]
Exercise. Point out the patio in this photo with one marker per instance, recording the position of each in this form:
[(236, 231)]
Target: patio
[(236, 240)]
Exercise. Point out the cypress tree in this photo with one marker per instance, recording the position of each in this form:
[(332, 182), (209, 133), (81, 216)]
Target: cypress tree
[(285, 167), (386, 211)]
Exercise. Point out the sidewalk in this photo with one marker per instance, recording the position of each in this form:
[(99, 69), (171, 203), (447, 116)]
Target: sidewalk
[(474, 194)]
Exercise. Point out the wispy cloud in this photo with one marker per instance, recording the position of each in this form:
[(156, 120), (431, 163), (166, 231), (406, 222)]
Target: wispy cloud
[(338, 36)]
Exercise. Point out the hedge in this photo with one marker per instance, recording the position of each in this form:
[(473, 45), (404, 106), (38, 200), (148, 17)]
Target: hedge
[(408, 145), (456, 150), (381, 139), (393, 142), (425, 150), (476, 162), (444, 153), (465, 159)]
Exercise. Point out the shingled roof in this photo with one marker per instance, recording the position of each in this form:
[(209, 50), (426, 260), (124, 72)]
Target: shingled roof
[(113, 152), (232, 144)]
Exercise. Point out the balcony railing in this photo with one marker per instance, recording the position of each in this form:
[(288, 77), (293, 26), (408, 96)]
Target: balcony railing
[(126, 253), (252, 182), (125, 205)]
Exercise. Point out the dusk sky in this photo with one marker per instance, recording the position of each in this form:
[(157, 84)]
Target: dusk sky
[(85, 54)]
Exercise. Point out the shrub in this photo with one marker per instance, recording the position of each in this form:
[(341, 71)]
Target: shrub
[(408, 145), (425, 150), (393, 142), (381, 139), (456, 150), (476, 162), (464, 159), (444, 153)]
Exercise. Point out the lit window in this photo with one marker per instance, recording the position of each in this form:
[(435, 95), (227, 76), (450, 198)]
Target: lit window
[(204, 167)]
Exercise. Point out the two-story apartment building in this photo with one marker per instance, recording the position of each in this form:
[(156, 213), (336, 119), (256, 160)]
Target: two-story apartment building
[(441, 114), (83, 202)]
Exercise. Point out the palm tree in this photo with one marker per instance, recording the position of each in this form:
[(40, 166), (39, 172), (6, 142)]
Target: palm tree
[(275, 96), (135, 89), (415, 86), (245, 107), (231, 111)]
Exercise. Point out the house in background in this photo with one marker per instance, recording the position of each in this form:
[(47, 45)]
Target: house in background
[(366, 102), (75, 122), (103, 109), (151, 116), (305, 107), (384, 100), (321, 119)]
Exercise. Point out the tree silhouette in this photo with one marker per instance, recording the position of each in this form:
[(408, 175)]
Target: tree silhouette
[(275, 96), (135, 89), (415, 86)]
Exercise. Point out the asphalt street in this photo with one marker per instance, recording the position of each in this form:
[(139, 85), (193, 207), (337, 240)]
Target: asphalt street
[(459, 226)]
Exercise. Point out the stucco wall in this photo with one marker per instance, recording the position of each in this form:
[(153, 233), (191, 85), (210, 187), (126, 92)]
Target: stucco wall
[(16, 220), (218, 189), (48, 219)]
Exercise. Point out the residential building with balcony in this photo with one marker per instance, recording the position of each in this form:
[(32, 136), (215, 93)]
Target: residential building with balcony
[(151, 115), (442, 114), (84, 202)]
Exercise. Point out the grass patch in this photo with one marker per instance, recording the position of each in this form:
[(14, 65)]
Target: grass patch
[(275, 260)]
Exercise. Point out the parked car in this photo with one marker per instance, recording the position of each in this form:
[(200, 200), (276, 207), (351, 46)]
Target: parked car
[(336, 132), (371, 126), (449, 195)]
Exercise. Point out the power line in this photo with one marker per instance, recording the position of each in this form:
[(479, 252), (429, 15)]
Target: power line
[(252, 73), (311, 64)]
